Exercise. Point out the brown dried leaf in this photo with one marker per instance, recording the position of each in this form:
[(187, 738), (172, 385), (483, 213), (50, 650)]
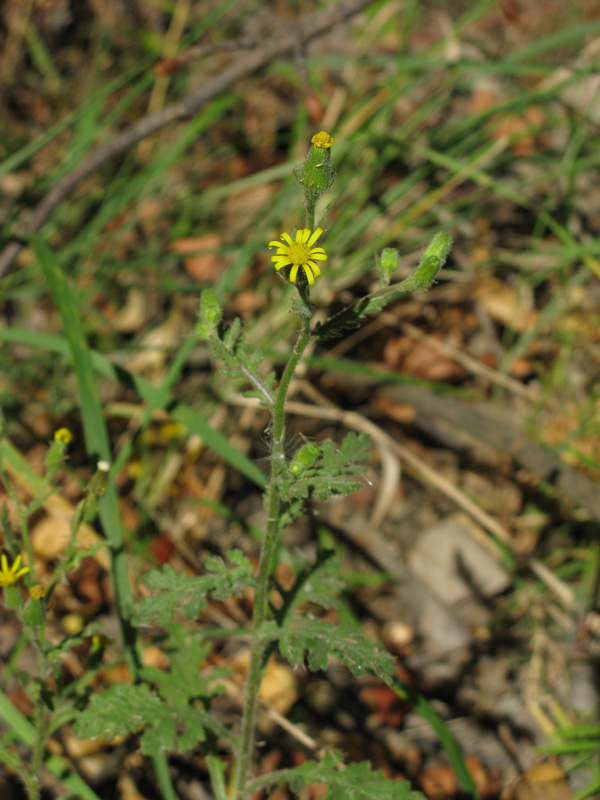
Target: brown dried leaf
[(201, 266)]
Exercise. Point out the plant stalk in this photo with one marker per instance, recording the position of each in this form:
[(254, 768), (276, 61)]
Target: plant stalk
[(269, 544)]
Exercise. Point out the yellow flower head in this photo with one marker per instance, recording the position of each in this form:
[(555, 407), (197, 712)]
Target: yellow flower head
[(10, 575), (63, 435), (322, 139), (299, 253), (37, 592)]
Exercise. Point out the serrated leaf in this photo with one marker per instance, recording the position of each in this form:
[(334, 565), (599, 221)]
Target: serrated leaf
[(231, 333), (172, 591), (317, 640), (176, 591), (231, 580), (184, 682), (318, 583), (125, 709), (353, 782)]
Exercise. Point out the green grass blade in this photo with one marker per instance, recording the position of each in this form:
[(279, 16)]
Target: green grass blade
[(447, 740), (96, 435)]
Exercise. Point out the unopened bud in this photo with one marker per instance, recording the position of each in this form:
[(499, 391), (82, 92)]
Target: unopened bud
[(387, 264), (209, 315), (99, 481), (433, 259), (317, 174)]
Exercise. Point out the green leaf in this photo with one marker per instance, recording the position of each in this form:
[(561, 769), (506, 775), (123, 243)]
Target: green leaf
[(125, 709), (184, 683), (318, 640), (353, 782), (176, 591), (176, 714), (318, 584)]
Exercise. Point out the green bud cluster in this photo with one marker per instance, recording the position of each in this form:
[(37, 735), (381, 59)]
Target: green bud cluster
[(304, 458)]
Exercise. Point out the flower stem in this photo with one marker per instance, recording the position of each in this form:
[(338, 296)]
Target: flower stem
[(269, 544)]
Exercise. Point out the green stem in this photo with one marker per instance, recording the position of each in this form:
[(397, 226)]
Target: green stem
[(310, 212), (41, 727), (269, 544)]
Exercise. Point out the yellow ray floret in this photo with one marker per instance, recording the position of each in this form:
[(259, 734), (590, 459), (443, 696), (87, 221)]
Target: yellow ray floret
[(299, 253), (10, 575)]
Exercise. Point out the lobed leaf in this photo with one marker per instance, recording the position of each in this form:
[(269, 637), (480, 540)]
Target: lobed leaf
[(352, 782), (176, 591), (317, 640)]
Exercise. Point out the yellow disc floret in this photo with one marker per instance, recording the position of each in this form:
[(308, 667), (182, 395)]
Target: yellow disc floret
[(299, 253), (322, 139)]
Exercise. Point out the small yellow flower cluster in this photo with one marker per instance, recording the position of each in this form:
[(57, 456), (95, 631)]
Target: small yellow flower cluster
[(322, 139), (10, 575), (37, 592), (63, 435)]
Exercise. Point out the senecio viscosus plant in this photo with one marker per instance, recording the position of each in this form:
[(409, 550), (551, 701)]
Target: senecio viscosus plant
[(173, 708)]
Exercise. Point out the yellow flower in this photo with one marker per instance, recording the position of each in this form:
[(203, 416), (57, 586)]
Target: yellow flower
[(299, 253), (322, 139), (63, 435), (9, 576), (37, 592)]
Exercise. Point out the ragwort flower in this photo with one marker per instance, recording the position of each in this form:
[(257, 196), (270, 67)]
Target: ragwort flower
[(10, 575), (299, 253)]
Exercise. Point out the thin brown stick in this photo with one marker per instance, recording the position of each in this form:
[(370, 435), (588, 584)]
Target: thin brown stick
[(297, 34)]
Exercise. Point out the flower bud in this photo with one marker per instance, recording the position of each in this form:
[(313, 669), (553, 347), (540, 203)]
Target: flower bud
[(99, 481), (387, 264), (209, 315), (433, 259), (317, 174), (34, 612)]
